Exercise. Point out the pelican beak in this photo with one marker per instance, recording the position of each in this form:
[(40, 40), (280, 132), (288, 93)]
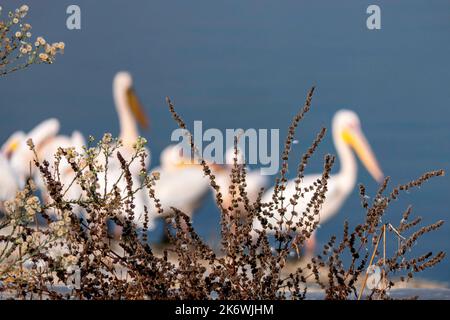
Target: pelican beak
[(217, 168), (183, 164), (11, 148), (356, 139), (136, 108)]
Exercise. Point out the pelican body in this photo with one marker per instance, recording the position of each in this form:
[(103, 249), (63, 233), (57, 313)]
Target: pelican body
[(348, 138), (254, 180), (130, 113), (182, 183), (46, 141), (8, 181)]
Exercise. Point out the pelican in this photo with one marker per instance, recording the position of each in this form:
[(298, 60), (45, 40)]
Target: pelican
[(18, 158), (181, 184), (254, 180), (47, 152), (8, 182), (47, 141), (347, 137), (130, 113), (21, 158), (12, 143)]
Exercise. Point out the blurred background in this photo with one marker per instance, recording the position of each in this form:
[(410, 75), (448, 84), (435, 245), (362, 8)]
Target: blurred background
[(249, 64)]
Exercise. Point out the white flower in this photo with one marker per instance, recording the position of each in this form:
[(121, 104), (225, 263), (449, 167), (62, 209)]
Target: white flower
[(43, 56), (41, 41), (107, 138)]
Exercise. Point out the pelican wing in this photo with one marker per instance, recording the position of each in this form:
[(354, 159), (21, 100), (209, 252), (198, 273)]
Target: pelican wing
[(8, 181), (333, 200), (45, 130), (183, 189), (255, 181)]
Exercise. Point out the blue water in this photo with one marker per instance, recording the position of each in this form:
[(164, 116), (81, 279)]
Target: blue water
[(249, 64)]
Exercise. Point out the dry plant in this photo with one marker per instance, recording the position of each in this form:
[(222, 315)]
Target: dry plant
[(368, 258), (17, 49), (72, 255)]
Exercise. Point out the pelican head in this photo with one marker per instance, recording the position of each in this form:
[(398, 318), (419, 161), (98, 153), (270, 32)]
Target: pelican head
[(347, 132), (126, 97), (173, 158), (224, 169), (123, 79), (12, 144), (22, 157)]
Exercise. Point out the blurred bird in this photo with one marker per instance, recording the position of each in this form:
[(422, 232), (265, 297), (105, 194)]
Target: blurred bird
[(20, 155), (8, 181), (182, 183), (254, 180), (12, 143), (46, 141), (347, 137), (130, 113), (48, 151)]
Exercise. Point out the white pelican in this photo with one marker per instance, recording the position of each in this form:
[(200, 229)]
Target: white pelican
[(254, 180), (8, 181), (347, 135), (130, 112), (47, 152), (47, 141), (21, 157), (182, 184), (12, 143)]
